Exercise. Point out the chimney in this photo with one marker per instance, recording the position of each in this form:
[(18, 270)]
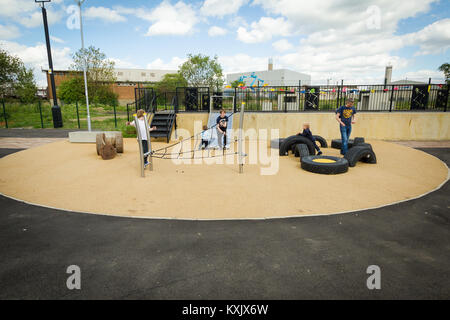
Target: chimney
[(270, 68), (388, 74)]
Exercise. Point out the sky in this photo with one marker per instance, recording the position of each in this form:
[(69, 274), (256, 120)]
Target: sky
[(331, 40)]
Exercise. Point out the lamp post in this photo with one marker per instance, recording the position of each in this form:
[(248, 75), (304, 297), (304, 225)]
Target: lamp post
[(56, 110), (80, 2)]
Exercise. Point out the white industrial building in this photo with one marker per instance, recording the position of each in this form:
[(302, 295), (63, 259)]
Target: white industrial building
[(140, 75), (271, 77)]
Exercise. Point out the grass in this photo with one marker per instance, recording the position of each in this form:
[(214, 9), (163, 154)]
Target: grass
[(29, 116)]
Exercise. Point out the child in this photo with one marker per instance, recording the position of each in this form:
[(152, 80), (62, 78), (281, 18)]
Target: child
[(222, 122), (345, 115), (206, 137), (308, 134), (141, 119)]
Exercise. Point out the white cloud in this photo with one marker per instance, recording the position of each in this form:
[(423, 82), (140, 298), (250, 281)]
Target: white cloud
[(433, 39), (56, 39), (264, 30), (105, 14), (216, 31), (126, 64), (242, 62), (9, 32), (166, 19), (422, 75), (282, 45), (220, 8), (14, 8), (173, 64), (338, 14), (35, 57)]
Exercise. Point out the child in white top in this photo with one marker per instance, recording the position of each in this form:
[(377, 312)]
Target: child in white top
[(206, 137), (141, 119)]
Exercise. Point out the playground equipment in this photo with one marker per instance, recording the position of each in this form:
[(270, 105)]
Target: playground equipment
[(108, 145), (254, 77), (163, 153), (324, 164), (363, 152)]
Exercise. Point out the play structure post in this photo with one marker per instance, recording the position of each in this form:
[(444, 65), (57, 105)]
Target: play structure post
[(241, 127), (149, 143), (4, 113), (40, 113), (141, 151)]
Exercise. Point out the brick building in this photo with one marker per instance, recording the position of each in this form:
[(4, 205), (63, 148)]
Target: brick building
[(127, 81)]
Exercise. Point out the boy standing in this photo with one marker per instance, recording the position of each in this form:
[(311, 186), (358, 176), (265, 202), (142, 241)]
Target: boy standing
[(222, 121), (345, 115)]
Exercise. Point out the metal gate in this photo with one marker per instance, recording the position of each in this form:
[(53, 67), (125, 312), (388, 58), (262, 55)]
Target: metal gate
[(419, 97), (144, 98)]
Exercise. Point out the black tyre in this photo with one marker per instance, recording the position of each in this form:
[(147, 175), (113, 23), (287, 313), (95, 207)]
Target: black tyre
[(293, 140), (324, 164), (360, 153), (294, 146), (301, 150), (337, 143), (323, 143), (367, 145), (357, 141), (275, 143)]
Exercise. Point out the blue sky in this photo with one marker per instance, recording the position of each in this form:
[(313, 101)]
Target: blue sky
[(340, 39)]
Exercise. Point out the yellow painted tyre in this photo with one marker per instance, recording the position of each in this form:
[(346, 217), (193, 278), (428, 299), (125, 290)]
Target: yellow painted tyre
[(324, 164)]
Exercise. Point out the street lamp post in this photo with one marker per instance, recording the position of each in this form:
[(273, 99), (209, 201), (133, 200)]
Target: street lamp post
[(80, 2), (56, 110)]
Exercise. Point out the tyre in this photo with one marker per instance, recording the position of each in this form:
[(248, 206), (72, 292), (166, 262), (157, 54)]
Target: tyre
[(100, 140), (358, 141), (337, 143), (293, 140), (324, 164), (323, 143), (360, 153), (294, 146), (367, 145), (275, 143), (301, 150), (119, 143)]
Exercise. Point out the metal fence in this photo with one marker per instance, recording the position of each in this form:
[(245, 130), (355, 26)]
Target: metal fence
[(406, 97)]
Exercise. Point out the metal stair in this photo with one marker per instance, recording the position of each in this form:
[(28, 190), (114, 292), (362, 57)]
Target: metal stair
[(164, 122)]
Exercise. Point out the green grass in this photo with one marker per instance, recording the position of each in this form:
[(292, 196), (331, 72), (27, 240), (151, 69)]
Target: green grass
[(29, 116)]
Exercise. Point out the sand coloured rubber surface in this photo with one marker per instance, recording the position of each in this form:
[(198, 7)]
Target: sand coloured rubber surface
[(324, 160), (72, 177)]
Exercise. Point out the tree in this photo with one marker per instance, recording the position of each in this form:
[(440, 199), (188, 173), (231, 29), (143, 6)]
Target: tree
[(15, 78), (170, 82), (237, 83), (72, 90), (100, 71), (202, 70), (445, 68)]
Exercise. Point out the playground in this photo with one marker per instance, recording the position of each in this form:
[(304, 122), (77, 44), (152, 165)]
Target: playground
[(71, 172)]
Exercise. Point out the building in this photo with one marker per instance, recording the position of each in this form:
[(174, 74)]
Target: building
[(271, 77), (127, 81)]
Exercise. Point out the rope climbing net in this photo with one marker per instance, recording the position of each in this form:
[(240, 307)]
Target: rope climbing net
[(163, 153)]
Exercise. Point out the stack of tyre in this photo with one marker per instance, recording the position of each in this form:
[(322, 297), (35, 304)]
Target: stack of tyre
[(304, 148)]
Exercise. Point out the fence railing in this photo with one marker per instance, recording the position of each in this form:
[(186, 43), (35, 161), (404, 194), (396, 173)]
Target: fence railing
[(39, 115), (401, 97)]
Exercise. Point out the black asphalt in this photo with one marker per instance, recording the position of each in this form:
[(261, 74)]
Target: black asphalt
[(35, 133), (299, 258)]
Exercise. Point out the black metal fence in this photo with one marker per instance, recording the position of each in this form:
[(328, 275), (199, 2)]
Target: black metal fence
[(398, 97)]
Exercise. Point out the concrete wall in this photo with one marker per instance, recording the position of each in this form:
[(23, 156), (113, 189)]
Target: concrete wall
[(371, 125)]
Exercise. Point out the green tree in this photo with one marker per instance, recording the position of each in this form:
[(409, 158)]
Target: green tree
[(100, 72), (170, 82), (15, 78), (202, 70), (236, 83), (445, 68), (72, 90)]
